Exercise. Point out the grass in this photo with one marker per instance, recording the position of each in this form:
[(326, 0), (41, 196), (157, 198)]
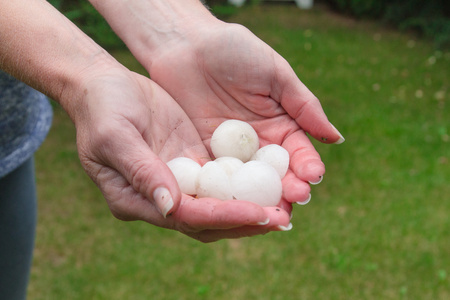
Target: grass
[(377, 226)]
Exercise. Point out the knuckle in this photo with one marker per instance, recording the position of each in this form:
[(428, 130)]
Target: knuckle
[(141, 177), (304, 106)]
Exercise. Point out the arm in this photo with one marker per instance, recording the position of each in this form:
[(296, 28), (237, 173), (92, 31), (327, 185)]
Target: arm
[(218, 71), (42, 48), (127, 126)]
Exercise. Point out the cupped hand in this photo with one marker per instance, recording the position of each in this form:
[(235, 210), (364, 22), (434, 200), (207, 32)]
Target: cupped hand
[(223, 71), (127, 128)]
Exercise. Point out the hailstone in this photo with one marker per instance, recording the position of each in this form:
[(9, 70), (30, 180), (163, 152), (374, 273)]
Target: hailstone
[(236, 139), (213, 181), (229, 164), (185, 171), (274, 155), (240, 171), (258, 182)]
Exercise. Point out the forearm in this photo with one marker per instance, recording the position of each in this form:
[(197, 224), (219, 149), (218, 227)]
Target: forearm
[(150, 26), (41, 47)]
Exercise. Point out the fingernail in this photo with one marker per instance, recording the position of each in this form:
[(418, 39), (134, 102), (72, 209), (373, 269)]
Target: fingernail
[(285, 228), (341, 138), (317, 182), (264, 223), (305, 201), (163, 200)]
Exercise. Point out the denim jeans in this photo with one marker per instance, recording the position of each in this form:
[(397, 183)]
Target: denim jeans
[(18, 210)]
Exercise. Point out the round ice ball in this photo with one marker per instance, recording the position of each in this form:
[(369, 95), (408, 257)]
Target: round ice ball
[(236, 139), (185, 171), (229, 164), (213, 181), (274, 155), (258, 182)]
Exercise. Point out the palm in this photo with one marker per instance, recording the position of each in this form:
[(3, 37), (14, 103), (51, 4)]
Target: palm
[(214, 85), (234, 76)]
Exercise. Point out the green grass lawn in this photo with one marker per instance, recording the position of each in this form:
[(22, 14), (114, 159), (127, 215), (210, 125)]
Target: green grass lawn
[(377, 227)]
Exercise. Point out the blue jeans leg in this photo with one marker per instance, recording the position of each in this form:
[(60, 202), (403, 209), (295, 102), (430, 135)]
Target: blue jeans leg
[(18, 210)]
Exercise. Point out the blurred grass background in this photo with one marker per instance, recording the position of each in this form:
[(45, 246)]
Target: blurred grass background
[(377, 227)]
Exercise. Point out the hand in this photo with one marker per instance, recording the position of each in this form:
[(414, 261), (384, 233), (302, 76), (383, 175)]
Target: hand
[(127, 128), (222, 71)]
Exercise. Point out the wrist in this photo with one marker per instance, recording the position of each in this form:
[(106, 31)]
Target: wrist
[(45, 50), (151, 28), (80, 81)]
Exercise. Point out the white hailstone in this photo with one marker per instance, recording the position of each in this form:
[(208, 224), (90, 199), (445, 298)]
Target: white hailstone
[(185, 171), (258, 182), (274, 155), (229, 164), (213, 181), (236, 139), (232, 175)]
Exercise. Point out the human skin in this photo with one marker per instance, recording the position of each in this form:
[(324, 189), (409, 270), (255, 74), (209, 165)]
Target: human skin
[(127, 126), (218, 71)]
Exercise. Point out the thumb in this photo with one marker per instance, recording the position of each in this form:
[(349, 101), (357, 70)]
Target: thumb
[(145, 172), (301, 104), (152, 178)]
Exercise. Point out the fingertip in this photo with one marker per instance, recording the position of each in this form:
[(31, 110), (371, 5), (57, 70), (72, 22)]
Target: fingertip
[(332, 137), (341, 137), (286, 206), (311, 171), (265, 222), (278, 216), (318, 181), (285, 228), (170, 182), (295, 189), (340, 140), (163, 200), (306, 201)]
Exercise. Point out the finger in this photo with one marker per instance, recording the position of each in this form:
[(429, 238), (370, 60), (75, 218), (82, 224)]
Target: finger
[(279, 221), (285, 206), (305, 161), (303, 106), (209, 213), (124, 202), (131, 156), (152, 178), (294, 189)]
